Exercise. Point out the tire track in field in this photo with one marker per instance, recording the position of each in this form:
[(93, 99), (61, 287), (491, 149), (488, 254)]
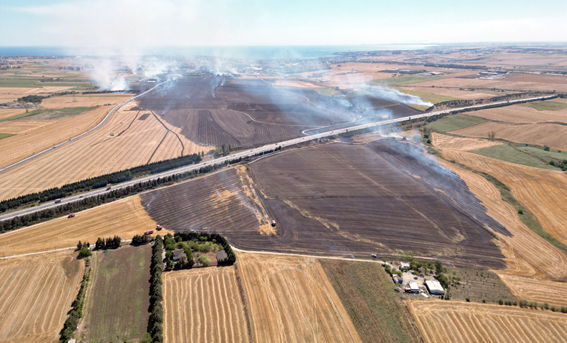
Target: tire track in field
[(168, 130), (126, 129)]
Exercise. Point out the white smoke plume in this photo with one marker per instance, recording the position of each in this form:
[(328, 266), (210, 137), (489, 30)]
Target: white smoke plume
[(397, 96)]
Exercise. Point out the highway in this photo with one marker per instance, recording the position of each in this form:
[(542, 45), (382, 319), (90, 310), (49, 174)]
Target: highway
[(114, 109), (248, 153)]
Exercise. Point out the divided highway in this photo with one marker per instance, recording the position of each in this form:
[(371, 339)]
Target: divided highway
[(246, 153)]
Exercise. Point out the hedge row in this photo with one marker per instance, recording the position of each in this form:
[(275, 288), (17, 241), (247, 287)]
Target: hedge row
[(155, 323)]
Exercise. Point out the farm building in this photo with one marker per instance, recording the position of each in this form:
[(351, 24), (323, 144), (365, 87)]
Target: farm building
[(178, 254), (221, 255), (404, 266), (397, 279), (434, 287), (412, 287)]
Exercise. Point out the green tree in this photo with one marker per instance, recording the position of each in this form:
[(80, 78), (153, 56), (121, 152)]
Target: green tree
[(85, 252)]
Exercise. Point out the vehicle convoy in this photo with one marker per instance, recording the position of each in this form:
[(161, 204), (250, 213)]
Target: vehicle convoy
[(149, 232)]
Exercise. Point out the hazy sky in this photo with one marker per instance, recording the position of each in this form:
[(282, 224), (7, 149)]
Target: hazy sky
[(134, 24)]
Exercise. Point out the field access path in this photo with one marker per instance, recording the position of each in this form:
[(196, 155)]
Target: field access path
[(104, 120), (246, 153)]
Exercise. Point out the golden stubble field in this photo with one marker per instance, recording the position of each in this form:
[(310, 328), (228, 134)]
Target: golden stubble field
[(203, 305), (125, 218), (453, 321), (290, 299), (87, 100), (129, 138), (35, 294)]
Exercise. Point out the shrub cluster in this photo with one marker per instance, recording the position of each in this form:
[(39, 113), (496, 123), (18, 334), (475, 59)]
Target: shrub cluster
[(141, 239), (155, 324), (76, 311), (187, 236)]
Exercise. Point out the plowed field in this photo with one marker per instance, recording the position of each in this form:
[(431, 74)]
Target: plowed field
[(126, 140), (290, 299), (444, 321), (203, 305), (35, 294), (533, 289), (125, 218)]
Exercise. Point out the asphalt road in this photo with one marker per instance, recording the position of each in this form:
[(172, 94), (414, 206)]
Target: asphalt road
[(247, 153)]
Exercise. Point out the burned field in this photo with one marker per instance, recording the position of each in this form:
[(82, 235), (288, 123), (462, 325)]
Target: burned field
[(338, 199), (213, 110)]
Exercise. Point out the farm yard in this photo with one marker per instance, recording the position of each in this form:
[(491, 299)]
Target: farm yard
[(444, 321), (35, 294), (203, 305), (117, 300), (125, 217), (290, 299), (367, 293)]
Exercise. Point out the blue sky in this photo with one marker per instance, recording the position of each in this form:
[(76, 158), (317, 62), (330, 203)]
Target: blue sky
[(134, 24)]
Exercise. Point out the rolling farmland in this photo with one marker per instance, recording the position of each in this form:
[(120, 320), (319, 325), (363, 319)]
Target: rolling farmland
[(518, 114), (35, 294), (203, 305), (444, 321), (125, 218), (117, 300), (290, 299)]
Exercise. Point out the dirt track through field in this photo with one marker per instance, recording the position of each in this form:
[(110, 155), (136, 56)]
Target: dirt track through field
[(203, 305), (125, 218), (451, 321), (35, 294), (290, 299)]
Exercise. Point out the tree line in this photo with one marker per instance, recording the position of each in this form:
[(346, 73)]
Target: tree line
[(231, 257), (155, 323), (76, 311), (98, 182)]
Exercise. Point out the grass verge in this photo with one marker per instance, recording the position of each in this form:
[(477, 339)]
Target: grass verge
[(50, 113), (6, 135), (545, 105), (368, 295)]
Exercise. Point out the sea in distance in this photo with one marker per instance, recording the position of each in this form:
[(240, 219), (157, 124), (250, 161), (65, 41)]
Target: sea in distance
[(252, 52)]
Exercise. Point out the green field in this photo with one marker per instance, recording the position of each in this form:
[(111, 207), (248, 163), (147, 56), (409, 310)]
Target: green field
[(454, 122), (404, 80), (433, 98), (35, 82), (117, 305), (368, 295), (545, 105), (50, 114), (5, 135), (509, 154), (541, 153)]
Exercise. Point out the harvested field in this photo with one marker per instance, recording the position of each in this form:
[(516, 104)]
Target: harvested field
[(35, 294), (368, 295), (117, 301), (543, 192), (456, 92), (20, 127), (87, 100), (122, 142), (44, 134), (8, 94), (549, 79), (549, 134), (125, 218), (538, 290), (8, 112), (203, 305), (450, 321), (518, 114), (290, 299), (389, 202), (459, 143)]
